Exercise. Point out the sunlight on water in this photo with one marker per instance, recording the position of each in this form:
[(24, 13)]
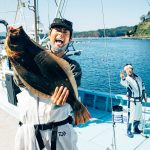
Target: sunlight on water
[(97, 60)]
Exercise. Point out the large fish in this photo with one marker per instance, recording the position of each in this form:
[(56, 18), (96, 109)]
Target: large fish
[(41, 72)]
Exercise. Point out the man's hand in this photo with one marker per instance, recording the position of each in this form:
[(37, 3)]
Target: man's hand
[(60, 95), (122, 76)]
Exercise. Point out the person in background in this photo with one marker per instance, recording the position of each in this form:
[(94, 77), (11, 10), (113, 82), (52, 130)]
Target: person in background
[(47, 123), (135, 93)]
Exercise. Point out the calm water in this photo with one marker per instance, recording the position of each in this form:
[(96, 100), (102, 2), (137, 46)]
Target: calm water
[(102, 61)]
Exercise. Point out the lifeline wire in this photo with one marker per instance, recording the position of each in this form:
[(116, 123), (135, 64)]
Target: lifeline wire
[(109, 78)]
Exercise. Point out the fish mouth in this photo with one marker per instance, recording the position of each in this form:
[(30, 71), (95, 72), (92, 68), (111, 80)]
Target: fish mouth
[(59, 42)]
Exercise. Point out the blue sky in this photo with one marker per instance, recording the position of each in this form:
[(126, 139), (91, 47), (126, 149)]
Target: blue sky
[(85, 14)]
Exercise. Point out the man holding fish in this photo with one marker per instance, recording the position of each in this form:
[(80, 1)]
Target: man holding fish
[(46, 123)]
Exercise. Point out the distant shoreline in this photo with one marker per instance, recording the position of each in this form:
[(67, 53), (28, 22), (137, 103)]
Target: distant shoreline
[(121, 37), (137, 38)]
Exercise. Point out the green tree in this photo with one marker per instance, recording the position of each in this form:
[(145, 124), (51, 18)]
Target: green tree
[(148, 15), (142, 18)]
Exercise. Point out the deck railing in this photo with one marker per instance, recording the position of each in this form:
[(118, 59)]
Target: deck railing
[(103, 100)]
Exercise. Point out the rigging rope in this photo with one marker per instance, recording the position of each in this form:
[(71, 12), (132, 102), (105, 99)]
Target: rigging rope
[(16, 12), (38, 18), (20, 5), (65, 7), (148, 3), (58, 8), (62, 7), (108, 72), (8, 11), (48, 13)]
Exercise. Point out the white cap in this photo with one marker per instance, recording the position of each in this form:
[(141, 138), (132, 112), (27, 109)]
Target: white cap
[(128, 66)]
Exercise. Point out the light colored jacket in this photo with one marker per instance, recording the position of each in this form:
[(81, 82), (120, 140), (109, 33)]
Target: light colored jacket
[(134, 85), (34, 110)]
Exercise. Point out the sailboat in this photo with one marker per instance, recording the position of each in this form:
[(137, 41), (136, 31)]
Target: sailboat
[(101, 132)]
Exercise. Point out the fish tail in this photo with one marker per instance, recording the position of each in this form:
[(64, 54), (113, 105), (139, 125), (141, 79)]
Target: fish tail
[(82, 115)]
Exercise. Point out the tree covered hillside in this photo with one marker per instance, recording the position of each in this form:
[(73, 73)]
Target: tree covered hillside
[(112, 32), (142, 30)]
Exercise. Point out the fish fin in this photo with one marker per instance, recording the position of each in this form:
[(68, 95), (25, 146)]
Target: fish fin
[(82, 115)]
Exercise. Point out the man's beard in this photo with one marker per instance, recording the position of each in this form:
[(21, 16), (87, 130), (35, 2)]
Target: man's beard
[(58, 50)]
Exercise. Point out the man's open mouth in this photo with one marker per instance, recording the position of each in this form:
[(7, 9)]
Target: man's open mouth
[(59, 42)]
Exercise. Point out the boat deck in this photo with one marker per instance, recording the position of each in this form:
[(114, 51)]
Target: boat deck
[(96, 134), (8, 128), (99, 134)]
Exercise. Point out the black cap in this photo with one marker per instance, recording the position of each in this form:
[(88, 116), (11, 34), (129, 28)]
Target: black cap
[(57, 22)]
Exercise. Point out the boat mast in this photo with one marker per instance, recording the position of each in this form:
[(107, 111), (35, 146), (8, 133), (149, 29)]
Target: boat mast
[(36, 18), (35, 21)]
